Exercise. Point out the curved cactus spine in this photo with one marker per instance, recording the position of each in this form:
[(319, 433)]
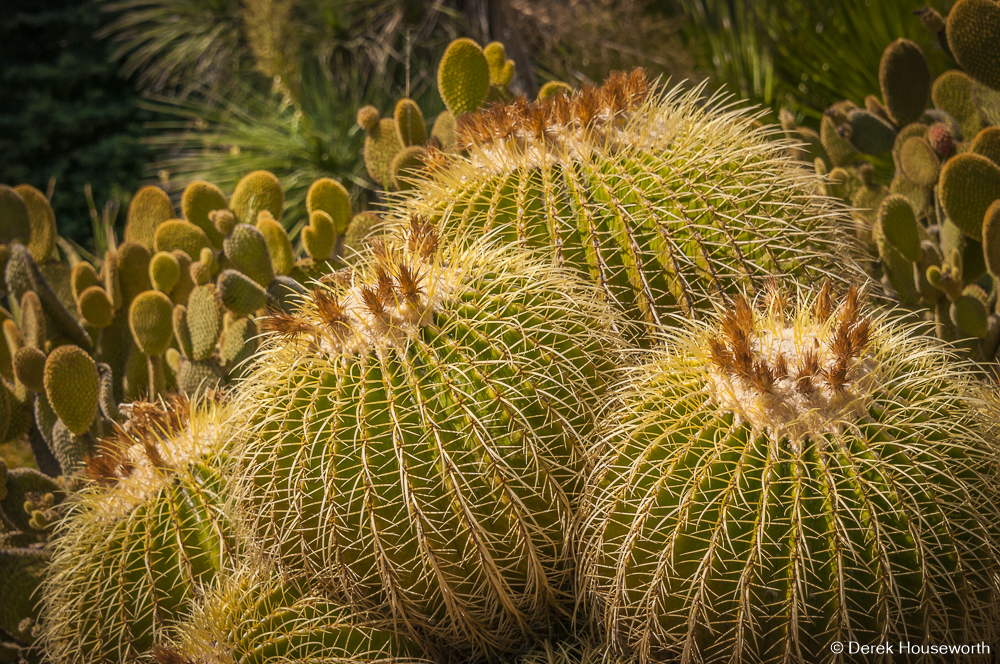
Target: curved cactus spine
[(130, 554), (826, 490), (428, 376), (660, 229)]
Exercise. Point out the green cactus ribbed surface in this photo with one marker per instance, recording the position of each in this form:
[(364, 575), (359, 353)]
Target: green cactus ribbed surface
[(72, 384), (150, 206), (43, 222), (133, 549), (728, 523), (247, 250), (663, 207), (463, 76), (257, 191), (973, 26), (199, 199), (426, 424), (254, 616)]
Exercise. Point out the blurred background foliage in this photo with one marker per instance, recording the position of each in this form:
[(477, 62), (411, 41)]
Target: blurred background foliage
[(118, 93)]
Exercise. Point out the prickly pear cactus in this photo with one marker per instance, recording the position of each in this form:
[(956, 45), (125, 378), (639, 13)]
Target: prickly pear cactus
[(791, 478), (136, 545), (417, 437), (252, 615), (663, 201)]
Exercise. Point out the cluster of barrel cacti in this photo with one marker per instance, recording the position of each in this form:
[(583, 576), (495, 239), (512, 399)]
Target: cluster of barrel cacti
[(559, 412), (935, 224)]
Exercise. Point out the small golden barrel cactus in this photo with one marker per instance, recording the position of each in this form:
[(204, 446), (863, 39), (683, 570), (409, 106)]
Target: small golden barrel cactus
[(418, 435), (137, 544), (796, 478), (663, 200)]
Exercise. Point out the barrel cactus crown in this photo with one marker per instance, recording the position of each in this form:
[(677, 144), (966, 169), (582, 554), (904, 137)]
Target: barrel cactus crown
[(793, 479), (418, 436), (254, 615), (135, 545), (663, 200)]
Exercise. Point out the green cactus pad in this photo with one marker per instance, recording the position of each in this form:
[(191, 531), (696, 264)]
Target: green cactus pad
[(21, 574), (973, 28), (238, 341), (70, 449), (381, 145), (133, 270), (204, 321), (868, 133), (255, 615), (71, 385), (363, 226), (83, 277), (185, 284), (148, 209), (33, 320), (279, 247), (991, 238), (258, 191), (241, 294), (654, 209), (920, 162), (181, 330), (899, 223), (969, 184), (320, 236), (368, 118), (110, 277), (183, 235), (463, 76), (136, 546), (43, 222), (223, 220), (793, 482), (987, 144), (952, 93), (201, 274), (164, 271), (405, 166), (329, 196), (150, 319), (29, 368), (95, 307), (444, 131), (15, 218), (196, 378), (838, 148), (199, 199), (905, 80), (410, 123), (247, 250), (426, 373), (969, 314)]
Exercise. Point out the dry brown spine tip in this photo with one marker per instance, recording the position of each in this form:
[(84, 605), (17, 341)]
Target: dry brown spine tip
[(373, 302), (823, 307), (165, 655), (288, 326)]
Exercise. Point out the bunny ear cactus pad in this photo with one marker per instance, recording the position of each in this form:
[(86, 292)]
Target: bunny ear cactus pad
[(410, 123), (663, 201), (834, 486), (974, 37), (72, 385), (15, 219), (426, 425), (179, 234), (905, 79), (135, 546), (254, 616), (43, 222), (199, 199), (463, 76), (148, 209), (969, 184), (258, 191), (329, 196)]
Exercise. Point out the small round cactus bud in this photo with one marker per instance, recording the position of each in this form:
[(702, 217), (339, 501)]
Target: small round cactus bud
[(150, 319), (553, 88), (95, 307), (72, 385), (941, 139), (259, 190), (223, 220), (368, 118), (463, 76)]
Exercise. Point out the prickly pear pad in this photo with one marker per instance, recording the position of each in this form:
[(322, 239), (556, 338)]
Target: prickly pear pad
[(783, 480), (419, 434)]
